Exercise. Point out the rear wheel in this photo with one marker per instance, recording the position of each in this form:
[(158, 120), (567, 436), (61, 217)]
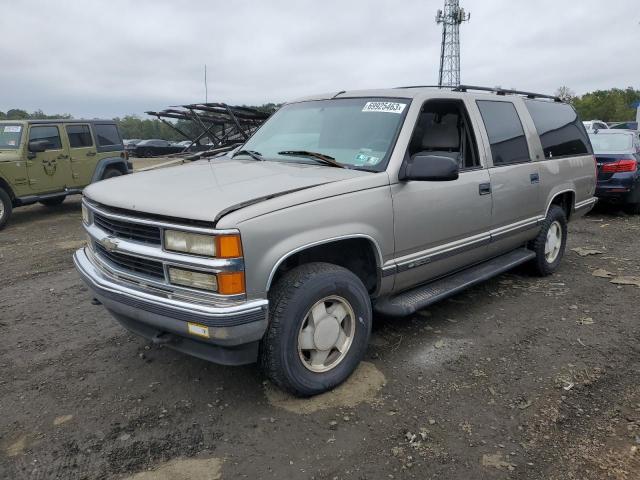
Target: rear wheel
[(550, 243), (6, 208), (53, 202), (111, 173), (319, 328)]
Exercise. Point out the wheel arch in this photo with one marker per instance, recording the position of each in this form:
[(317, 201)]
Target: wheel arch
[(566, 199), (369, 270), (111, 162), (4, 185)]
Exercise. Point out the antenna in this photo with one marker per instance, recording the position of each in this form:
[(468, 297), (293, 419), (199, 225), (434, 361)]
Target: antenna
[(450, 18), (206, 88)]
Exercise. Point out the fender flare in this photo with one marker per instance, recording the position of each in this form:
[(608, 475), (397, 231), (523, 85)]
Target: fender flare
[(105, 163)]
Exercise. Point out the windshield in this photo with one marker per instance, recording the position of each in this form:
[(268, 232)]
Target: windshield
[(10, 136), (609, 143), (356, 132)]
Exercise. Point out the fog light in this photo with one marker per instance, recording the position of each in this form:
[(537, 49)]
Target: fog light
[(193, 243), (192, 279), (85, 214)]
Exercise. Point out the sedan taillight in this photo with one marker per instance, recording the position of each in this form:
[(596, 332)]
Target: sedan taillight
[(624, 165)]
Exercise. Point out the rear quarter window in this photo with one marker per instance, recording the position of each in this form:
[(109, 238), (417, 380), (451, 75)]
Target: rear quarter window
[(561, 132), (107, 135)]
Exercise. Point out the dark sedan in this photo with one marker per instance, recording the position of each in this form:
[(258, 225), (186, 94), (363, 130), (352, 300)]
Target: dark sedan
[(617, 155), (154, 148)]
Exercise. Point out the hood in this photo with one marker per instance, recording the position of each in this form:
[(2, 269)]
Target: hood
[(207, 190)]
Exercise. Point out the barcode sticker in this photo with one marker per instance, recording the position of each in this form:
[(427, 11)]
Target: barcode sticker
[(384, 107)]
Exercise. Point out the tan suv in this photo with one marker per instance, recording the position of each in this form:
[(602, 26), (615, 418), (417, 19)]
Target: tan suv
[(340, 205), (46, 160)]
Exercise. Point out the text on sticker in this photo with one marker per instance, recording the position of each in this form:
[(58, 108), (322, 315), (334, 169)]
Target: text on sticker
[(12, 129), (385, 107)]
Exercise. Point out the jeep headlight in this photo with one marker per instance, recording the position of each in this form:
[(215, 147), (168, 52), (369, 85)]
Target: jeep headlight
[(221, 246)]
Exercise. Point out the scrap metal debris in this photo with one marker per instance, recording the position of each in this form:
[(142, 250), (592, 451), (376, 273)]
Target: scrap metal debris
[(584, 252)]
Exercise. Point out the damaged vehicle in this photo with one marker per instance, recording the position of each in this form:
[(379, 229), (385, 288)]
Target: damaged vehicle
[(340, 206)]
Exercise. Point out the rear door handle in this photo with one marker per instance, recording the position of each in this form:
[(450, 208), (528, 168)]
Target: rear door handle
[(535, 178), (484, 189), (90, 154), (61, 157)]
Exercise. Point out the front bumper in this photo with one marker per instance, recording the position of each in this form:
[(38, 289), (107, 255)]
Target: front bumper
[(234, 331)]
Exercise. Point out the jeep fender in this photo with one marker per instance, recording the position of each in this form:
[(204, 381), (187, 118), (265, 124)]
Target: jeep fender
[(101, 167)]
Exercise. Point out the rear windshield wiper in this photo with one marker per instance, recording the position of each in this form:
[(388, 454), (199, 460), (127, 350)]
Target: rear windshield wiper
[(252, 153), (318, 156)]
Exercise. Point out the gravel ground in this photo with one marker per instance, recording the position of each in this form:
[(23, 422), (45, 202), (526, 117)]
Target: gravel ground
[(521, 378)]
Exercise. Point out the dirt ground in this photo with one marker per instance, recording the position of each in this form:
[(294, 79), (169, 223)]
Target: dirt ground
[(519, 378)]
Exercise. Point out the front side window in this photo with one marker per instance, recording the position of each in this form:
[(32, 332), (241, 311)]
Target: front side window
[(10, 136), (355, 132), (560, 130), (506, 135), (48, 133), (107, 134), (79, 136)]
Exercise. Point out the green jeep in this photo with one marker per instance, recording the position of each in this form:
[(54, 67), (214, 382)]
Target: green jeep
[(46, 160)]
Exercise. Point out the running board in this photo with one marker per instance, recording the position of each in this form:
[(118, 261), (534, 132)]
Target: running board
[(409, 302)]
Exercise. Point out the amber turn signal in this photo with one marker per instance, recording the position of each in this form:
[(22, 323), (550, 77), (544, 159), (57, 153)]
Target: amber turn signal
[(231, 283), (228, 246)]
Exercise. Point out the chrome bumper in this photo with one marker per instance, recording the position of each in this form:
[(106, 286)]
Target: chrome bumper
[(152, 316)]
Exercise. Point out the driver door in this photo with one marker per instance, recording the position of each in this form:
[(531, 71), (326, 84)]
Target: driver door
[(442, 226), (48, 171)]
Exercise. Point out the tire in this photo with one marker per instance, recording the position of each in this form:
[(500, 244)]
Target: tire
[(548, 260), (111, 173), (6, 208), (632, 208), (148, 153), (282, 356), (53, 202)]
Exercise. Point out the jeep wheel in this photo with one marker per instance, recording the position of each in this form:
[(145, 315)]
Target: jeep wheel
[(111, 173), (53, 202), (5, 208), (550, 243), (319, 328)]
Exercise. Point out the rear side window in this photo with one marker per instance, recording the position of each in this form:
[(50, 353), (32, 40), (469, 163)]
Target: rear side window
[(48, 133), (561, 132), (107, 134), (506, 135), (79, 136)]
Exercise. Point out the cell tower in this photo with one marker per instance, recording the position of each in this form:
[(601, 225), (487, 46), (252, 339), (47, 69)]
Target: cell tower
[(450, 18)]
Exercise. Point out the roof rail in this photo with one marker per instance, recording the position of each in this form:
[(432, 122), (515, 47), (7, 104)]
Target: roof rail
[(505, 91), (426, 86)]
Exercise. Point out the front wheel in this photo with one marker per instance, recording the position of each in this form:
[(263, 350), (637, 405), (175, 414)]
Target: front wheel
[(111, 173), (550, 244), (5, 208), (319, 328)]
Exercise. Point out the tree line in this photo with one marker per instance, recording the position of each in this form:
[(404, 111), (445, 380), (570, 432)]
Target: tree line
[(613, 105)]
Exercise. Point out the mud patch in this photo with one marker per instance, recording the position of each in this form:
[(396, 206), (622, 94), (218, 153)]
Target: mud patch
[(71, 244), (184, 469), (17, 447), (362, 386)]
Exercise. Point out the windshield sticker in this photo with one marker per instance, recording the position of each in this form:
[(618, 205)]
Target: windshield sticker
[(384, 107), (364, 159), (12, 129)]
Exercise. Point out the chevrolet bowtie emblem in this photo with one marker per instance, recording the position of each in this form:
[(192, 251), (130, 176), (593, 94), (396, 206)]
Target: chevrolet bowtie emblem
[(109, 243)]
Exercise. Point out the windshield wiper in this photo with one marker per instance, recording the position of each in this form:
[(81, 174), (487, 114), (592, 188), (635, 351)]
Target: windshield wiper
[(252, 153), (318, 156)]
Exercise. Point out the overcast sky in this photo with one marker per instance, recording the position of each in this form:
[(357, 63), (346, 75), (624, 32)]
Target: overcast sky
[(110, 58)]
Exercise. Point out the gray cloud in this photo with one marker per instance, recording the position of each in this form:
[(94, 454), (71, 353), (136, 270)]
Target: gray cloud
[(110, 58)]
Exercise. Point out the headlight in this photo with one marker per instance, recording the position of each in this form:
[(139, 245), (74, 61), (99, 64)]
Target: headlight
[(85, 214), (221, 246), (189, 278), (193, 243)]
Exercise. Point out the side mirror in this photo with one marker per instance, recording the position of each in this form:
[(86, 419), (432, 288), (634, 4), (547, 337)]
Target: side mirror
[(430, 168), (36, 146)]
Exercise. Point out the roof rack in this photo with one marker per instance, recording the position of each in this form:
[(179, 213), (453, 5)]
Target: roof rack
[(505, 91), (426, 86)]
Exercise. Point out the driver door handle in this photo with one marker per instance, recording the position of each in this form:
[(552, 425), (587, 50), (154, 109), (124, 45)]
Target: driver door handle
[(91, 154), (62, 157), (484, 189)]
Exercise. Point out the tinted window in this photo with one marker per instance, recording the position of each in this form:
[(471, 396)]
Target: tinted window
[(48, 133), (107, 134), (79, 136), (506, 136), (560, 130)]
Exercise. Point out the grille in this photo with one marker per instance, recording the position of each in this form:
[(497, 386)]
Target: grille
[(150, 268), (130, 231)]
